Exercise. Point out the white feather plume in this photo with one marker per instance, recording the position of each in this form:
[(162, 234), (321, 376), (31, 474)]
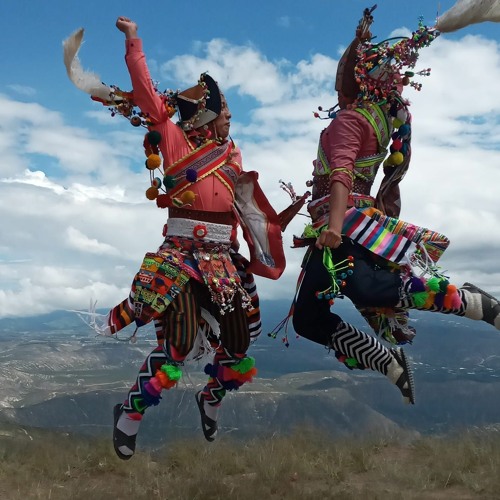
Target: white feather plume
[(85, 80), (467, 12)]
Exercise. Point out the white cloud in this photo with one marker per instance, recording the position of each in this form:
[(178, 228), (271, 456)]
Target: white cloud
[(23, 90), (241, 67), (75, 223), (78, 240)]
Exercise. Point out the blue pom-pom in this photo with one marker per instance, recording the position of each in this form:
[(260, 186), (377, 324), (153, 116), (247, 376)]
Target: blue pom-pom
[(149, 399), (417, 285), (191, 175), (211, 370), (439, 300), (230, 385), (404, 129)]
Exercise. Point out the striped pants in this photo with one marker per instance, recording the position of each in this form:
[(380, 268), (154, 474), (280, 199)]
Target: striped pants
[(176, 332)]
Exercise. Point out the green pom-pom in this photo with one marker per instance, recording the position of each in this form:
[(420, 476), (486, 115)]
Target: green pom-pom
[(419, 298), (433, 284), (310, 232), (168, 181), (351, 362), (173, 372), (245, 365), (443, 286), (153, 137)]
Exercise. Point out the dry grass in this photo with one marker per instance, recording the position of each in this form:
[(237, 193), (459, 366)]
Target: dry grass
[(42, 465)]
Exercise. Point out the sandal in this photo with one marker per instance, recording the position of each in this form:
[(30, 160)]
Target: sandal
[(120, 439), (490, 306), (208, 426), (405, 381)]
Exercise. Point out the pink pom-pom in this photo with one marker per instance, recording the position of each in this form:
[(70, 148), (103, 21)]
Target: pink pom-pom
[(456, 302), (156, 384)]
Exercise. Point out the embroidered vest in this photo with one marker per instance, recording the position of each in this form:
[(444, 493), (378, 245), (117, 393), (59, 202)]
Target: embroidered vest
[(365, 168)]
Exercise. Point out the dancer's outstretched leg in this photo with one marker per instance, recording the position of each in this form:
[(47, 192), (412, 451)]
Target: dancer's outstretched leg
[(370, 353), (468, 300), (158, 372), (231, 368)]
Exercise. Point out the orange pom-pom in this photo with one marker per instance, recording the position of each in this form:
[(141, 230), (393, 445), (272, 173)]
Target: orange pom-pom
[(187, 197), (451, 299), (152, 193), (447, 301), (164, 380), (430, 300), (153, 161)]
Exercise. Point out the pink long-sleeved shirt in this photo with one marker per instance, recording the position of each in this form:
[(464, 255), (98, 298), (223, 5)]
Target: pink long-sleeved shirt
[(348, 137), (211, 194)]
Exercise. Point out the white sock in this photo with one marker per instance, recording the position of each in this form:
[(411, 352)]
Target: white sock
[(474, 309), (127, 425), (211, 411)]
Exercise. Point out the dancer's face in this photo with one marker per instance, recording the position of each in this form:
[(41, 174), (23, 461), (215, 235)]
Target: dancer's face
[(223, 122)]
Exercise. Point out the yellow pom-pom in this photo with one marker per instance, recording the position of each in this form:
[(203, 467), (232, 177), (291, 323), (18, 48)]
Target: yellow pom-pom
[(187, 197), (152, 193), (396, 123), (153, 161), (396, 158)]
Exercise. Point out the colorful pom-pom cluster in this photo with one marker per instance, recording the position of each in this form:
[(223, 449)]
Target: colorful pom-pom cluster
[(122, 103), (401, 137), (166, 182), (435, 291), (165, 378), (232, 377)]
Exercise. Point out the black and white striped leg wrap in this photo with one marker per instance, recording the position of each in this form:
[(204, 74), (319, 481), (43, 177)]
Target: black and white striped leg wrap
[(358, 345)]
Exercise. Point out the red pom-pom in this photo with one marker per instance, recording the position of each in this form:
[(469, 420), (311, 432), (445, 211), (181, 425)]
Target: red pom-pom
[(397, 144), (163, 201)]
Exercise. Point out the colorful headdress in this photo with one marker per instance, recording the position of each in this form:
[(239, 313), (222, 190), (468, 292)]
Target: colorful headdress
[(377, 72), (200, 104)]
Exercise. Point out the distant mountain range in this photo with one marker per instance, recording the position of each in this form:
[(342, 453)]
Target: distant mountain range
[(54, 373)]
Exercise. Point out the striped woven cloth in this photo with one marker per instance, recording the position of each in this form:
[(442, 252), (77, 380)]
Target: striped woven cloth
[(391, 238)]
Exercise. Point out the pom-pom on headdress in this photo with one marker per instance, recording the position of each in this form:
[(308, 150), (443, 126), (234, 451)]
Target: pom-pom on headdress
[(377, 72)]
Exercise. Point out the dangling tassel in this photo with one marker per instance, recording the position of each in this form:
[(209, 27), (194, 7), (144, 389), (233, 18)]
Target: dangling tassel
[(283, 324), (337, 278)]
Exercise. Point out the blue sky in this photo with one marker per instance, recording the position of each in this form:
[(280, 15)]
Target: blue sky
[(74, 220)]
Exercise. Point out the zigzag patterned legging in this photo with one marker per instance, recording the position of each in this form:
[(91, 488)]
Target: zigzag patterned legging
[(180, 326)]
